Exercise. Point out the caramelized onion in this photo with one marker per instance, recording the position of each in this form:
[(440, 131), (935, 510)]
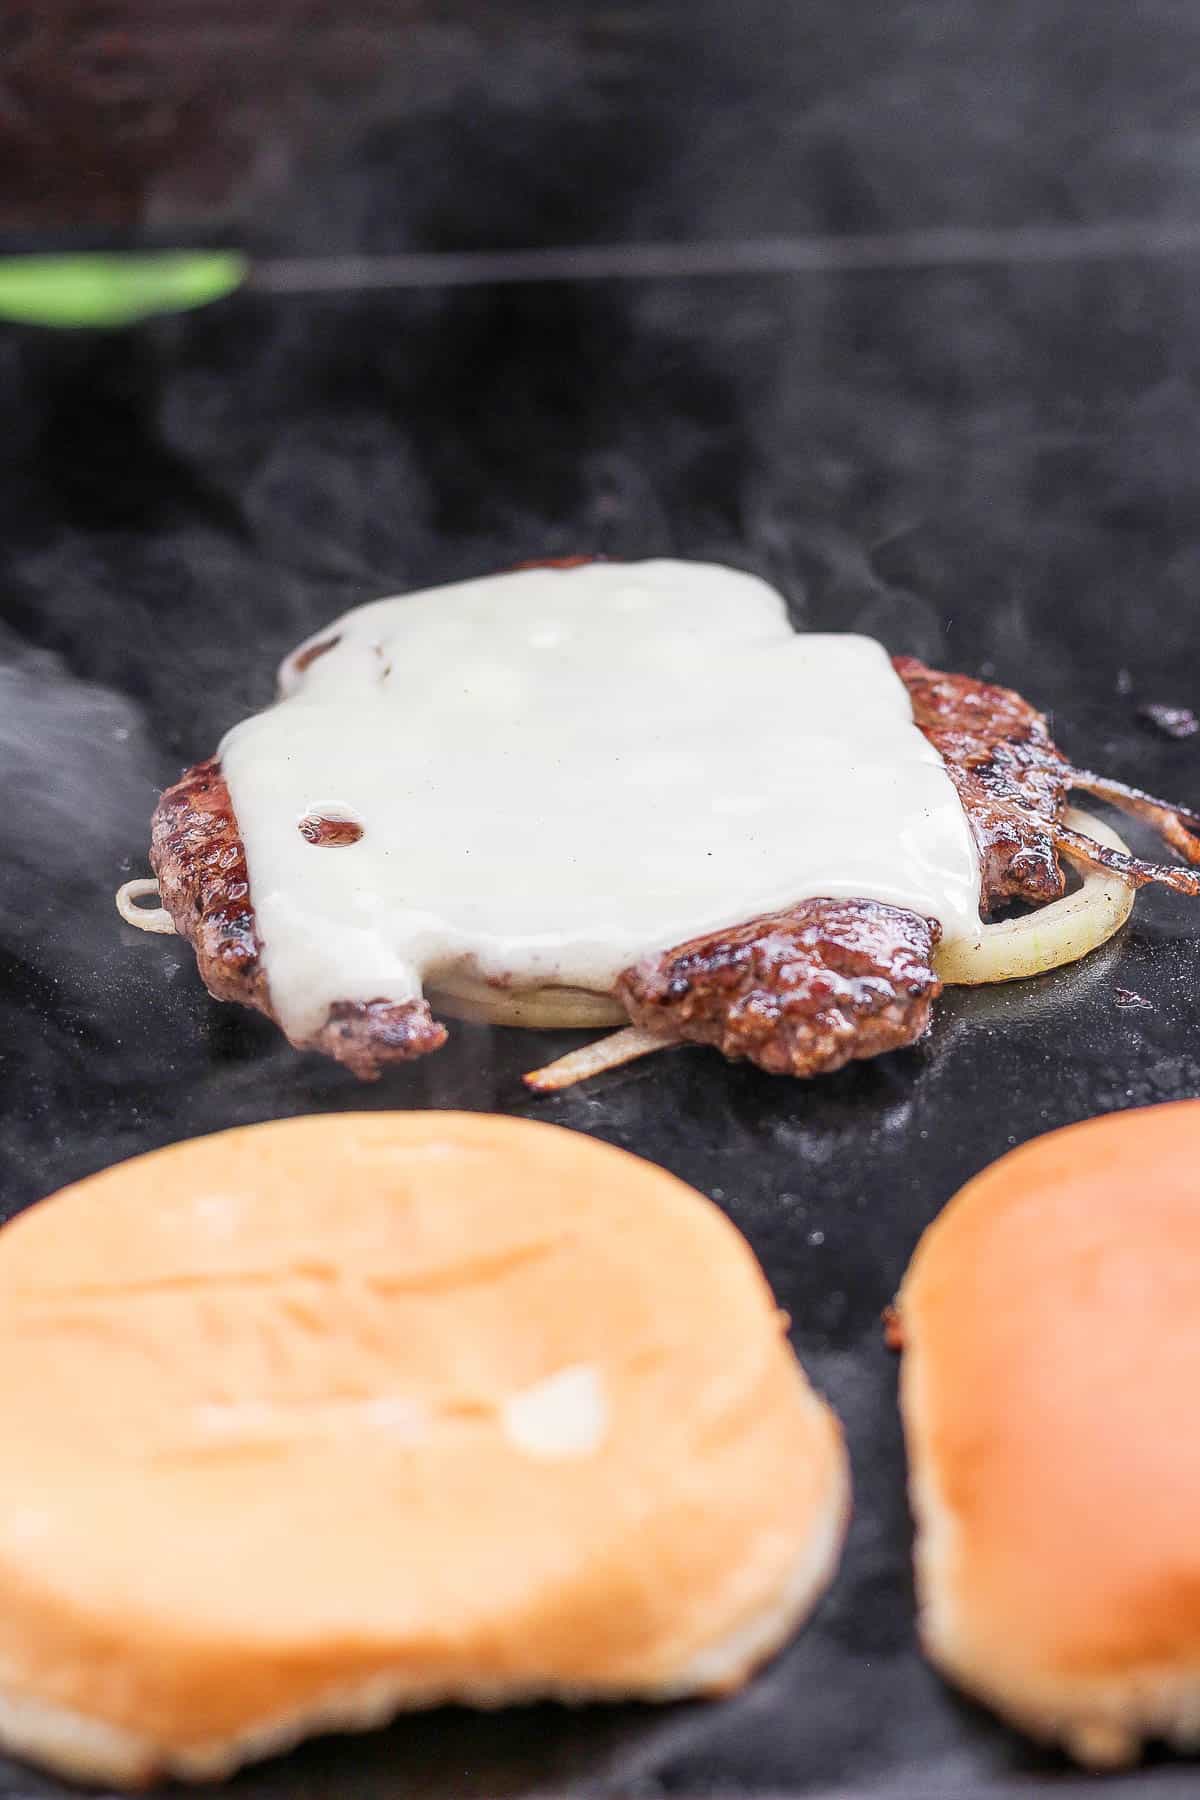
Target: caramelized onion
[(1051, 935)]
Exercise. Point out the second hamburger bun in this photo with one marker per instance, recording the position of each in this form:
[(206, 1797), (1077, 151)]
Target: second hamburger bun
[(309, 1422), (1051, 1330)]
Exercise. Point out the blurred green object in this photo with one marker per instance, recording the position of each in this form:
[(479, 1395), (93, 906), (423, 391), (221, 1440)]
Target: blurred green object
[(114, 289)]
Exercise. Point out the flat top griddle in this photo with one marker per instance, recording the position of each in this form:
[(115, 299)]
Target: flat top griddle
[(996, 468)]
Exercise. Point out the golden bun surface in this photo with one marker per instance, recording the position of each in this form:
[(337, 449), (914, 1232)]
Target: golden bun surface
[(1050, 1322), (307, 1422)]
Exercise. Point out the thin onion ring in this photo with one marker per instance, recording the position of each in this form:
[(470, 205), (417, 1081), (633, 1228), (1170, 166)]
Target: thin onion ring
[(146, 918), (1059, 933)]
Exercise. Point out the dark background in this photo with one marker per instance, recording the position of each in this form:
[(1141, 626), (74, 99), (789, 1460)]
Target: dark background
[(983, 446)]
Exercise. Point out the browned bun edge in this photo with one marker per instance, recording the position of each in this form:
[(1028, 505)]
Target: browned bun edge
[(90, 1750)]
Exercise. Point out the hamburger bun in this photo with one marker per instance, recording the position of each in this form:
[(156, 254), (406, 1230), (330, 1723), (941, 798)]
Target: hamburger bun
[(310, 1422), (1050, 1323)]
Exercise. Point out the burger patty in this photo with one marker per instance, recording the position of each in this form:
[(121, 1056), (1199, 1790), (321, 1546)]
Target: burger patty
[(800, 992), (197, 854), (1012, 779)]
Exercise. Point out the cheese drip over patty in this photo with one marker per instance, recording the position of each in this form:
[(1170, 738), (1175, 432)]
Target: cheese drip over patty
[(537, 778)]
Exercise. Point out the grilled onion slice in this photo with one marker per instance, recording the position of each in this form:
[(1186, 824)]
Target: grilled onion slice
[(1051, 935), (553, 1008)]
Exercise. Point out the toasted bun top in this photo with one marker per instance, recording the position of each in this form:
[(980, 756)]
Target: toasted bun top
[(479, 1401), (1051, 1326)]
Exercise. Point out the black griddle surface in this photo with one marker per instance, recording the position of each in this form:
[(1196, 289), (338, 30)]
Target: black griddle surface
[(997, 468)]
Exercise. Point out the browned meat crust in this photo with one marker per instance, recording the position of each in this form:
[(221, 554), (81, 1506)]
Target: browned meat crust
[(1012, 780), (367, 1035), (800, 992), (806, 991), (765, 991), (196, 853), (1014, 784)]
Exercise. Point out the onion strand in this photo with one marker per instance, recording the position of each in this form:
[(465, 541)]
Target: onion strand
[(610, 1052), (145, 918)]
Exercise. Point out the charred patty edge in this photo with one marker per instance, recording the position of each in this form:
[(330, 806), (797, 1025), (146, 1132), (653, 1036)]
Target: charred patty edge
[(198, 857)]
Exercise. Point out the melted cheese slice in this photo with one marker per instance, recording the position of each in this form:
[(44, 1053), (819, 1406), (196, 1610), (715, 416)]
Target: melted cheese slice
[(557, 772)]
